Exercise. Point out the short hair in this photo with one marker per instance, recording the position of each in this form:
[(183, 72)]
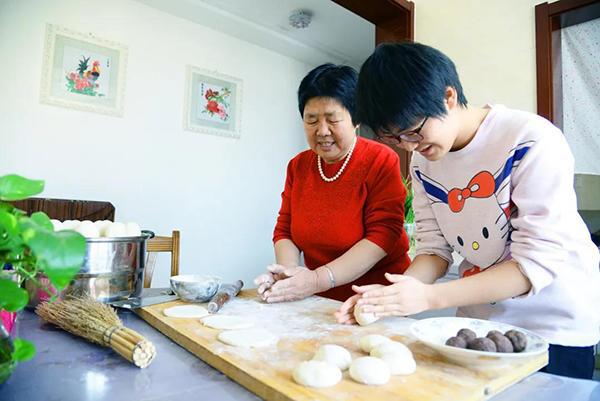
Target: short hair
[(401, 83), (337, 82)]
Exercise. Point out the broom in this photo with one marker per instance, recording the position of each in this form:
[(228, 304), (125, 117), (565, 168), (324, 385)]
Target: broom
[(98, 323)]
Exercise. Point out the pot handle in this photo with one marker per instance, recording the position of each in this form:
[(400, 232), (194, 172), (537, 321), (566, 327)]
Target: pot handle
[(148, 234)]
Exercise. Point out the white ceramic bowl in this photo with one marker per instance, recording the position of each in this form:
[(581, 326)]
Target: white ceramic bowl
[(436, 331), (195, 288)]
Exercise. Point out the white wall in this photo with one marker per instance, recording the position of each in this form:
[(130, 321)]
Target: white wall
[(223, 194), (492, 44)]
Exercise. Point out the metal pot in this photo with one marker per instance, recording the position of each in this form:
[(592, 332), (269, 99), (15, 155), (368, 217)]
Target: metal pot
[(113, 269)]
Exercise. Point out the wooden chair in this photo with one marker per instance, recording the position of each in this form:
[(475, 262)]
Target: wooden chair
[(161, 244)]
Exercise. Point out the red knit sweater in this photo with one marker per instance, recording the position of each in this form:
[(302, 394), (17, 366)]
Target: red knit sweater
[(325, 219)]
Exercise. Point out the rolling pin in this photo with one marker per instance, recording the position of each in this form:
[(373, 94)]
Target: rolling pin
[(225, 293)]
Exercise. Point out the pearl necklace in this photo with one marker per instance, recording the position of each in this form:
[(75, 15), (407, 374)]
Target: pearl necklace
[(335, 177)]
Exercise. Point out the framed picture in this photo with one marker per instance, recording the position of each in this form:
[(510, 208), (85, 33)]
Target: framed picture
[(212, 103), (83, 72)]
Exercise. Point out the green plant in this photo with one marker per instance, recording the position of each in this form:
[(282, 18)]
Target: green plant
[(28, 246), (409, 213)]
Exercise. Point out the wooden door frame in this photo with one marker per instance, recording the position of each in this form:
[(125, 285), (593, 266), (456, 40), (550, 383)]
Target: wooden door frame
[(549, 18), (394, 21)]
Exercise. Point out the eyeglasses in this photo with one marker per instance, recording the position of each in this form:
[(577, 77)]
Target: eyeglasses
[(408, 136)]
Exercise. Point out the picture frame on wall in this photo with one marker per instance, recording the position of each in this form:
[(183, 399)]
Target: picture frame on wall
[(213, 103), (83, 72)]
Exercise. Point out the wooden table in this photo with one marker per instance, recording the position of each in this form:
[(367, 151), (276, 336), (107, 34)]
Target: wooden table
[(302, 327)]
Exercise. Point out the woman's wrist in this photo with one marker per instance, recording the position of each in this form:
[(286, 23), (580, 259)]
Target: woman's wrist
[(325, 278)]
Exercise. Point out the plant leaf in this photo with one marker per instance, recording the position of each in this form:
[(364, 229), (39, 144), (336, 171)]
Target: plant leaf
[(42, 220), (9, 231), (12, 298), (59, 254), (24, 350), (14, 187)]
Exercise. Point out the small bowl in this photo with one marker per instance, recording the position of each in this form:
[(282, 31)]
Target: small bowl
[(195, 288)]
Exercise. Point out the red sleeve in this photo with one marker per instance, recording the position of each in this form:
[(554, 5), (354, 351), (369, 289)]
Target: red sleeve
[(384, 207), (282, 227)]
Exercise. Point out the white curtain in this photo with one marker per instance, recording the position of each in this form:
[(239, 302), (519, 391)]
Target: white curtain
[(580, 47)]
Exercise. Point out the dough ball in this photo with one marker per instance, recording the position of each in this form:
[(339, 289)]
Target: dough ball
[(70, 224), (87, 229), (518, 340), (133, 229), (364, 319), (334, 355), (459, 342), (317, 374), (502, 342), (101, 225), (56, 224), (468, 334), (482, 344), (389, 348), (368, 342), (224, 322), (400, 364), (186, 311), (115, 230), (370, 370), (248, 338)]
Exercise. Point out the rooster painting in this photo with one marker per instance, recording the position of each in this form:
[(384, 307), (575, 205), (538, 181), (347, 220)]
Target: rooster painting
[(83, 81)]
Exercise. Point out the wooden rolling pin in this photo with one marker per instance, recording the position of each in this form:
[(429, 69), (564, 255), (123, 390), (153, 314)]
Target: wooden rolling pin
[(225, 293)]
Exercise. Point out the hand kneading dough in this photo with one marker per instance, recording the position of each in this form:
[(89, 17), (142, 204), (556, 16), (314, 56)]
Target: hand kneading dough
[(317, 374), (334, 355), (369, 370), (186, 311), (364, 318), (367, 343), (255, 338), (224, 322)]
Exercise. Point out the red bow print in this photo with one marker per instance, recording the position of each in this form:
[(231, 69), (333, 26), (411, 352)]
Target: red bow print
[(480, 186), (472, 271)]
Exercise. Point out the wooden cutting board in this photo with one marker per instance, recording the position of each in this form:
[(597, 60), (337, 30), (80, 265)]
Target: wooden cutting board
[(302, 327)]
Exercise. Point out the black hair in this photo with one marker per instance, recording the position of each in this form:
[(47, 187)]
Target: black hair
[(401, 83), (331, 81)]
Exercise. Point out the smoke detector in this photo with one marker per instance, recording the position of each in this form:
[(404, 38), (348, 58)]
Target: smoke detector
[(300, 19)]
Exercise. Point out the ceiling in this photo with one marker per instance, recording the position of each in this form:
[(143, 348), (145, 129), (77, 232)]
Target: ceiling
[(334, 35)]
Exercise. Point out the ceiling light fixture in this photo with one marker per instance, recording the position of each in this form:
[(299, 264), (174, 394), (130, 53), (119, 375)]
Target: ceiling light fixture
[(300, 19)]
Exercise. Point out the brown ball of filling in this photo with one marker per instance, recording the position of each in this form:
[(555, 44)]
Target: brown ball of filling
[(518, 340), (468, 334), (494, 333), (482, 344), (502, 342), (459, 342)]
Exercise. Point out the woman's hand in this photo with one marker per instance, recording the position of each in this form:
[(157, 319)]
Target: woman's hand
[(406, 296), (291, 284), (266, 280), (345, 315)]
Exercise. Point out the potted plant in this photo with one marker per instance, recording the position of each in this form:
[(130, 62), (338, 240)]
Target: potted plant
[(28, 246), (409, 216)]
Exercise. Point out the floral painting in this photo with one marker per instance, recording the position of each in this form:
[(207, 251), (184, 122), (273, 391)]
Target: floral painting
[(83, 72), (213, 103)]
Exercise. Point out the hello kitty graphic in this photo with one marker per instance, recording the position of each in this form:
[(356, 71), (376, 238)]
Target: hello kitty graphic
[(475, 219)]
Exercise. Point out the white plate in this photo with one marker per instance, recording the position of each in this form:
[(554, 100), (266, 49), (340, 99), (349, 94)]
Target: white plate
[(436, 331)]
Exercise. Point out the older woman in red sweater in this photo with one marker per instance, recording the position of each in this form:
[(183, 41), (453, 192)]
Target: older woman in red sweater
[(343, 201)]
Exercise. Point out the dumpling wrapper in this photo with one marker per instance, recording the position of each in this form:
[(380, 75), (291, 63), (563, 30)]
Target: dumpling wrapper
[(186, 311), (225, 322), (248, 338)]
